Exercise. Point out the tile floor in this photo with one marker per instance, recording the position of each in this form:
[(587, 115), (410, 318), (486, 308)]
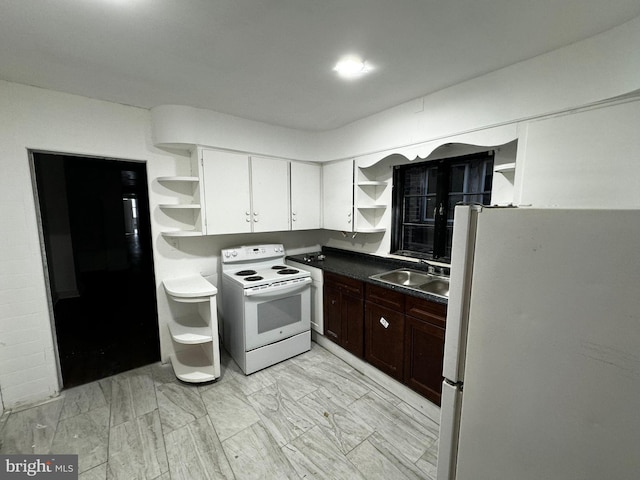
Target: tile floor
[(312, 416)]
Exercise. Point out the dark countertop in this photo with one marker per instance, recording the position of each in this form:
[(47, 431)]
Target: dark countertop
[(361, 266)]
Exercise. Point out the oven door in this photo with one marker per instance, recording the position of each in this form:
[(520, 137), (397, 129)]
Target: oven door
[(274, 315)]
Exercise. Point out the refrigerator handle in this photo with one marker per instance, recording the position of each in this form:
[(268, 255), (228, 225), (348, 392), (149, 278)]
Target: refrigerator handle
[(462, 252), (451, 404)]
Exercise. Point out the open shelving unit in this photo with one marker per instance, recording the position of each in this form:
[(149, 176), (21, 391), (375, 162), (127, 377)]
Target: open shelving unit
[(194, 333), (187, 211), (370, 204)]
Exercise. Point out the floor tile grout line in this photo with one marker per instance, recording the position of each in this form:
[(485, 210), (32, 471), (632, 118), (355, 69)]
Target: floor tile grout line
[(198, 453), (106, 467), (224, 451), (162, 426), (164, 443), (55, 429)]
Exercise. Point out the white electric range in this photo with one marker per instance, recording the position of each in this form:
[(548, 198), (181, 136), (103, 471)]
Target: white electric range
[(266, 306)]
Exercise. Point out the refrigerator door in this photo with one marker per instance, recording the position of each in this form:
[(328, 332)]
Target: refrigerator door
[(462, 251), (552, 374)]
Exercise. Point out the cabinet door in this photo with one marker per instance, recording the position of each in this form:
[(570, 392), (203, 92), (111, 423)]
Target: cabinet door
[(305, 196), (384, 338), (424, 351), (332, 314), (226, 192), (353, 324), (270, 194), (337, 196)]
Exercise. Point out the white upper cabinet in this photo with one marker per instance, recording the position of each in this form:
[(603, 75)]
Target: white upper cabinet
[(243, 194), (305, 196), (227, 192), (270, 194), (337, 195)]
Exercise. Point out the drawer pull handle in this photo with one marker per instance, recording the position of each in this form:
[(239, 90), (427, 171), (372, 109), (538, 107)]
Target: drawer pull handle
[(383, 322)]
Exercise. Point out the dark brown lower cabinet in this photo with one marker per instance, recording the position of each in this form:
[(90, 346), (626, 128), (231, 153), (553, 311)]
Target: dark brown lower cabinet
[(424, 347), (401, 335), (344, 312), (384, 339), (332, 312), (424, 350)]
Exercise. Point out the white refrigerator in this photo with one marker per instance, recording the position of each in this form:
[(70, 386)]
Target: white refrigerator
[(542, 347)]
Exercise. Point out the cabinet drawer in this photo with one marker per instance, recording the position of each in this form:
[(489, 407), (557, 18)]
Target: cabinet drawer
[(426, 310), (345, 284), (385, 297)]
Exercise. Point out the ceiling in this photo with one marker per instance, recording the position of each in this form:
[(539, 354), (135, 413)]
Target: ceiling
[(272, 60)]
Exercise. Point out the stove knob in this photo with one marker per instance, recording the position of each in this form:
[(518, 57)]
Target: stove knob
[(234, 253), (226, 254)]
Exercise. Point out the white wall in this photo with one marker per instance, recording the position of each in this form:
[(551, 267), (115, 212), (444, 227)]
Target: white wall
[(39, 119), (587, 159), (181, 126)]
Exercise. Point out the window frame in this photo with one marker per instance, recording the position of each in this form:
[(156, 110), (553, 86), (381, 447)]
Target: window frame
[(443, 190)]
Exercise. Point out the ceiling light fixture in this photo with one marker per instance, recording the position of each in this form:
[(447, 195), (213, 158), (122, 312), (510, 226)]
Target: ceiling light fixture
[(351, 67)]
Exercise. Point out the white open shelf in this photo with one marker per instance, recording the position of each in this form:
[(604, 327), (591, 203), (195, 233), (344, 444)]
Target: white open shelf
[(372, 183), (190, 286), (505, 168), (182, 233), (187, 206), (178, 179), (190, 330), (193, 365), (370, 206), (185, 211)]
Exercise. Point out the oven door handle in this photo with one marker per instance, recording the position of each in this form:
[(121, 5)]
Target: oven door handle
[(279, 290)]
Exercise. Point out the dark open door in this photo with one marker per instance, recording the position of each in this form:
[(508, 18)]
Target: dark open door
[(96, 228)]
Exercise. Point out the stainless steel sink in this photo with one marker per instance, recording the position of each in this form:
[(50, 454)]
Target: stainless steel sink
[(437, 286), (406, 278), (415, 280)]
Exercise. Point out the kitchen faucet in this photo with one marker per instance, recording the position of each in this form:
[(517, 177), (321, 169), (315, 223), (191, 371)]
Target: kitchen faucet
[(434, 268)]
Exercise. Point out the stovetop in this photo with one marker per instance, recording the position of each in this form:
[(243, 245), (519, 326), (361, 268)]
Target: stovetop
[(260, 275), (257, 265)]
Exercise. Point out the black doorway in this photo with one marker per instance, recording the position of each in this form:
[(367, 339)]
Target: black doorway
[(97, 237)]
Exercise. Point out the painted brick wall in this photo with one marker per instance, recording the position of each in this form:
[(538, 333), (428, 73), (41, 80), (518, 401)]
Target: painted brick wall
[(45, 120), (26, 348)]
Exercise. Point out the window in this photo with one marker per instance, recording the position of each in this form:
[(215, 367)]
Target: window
[(424, 198)]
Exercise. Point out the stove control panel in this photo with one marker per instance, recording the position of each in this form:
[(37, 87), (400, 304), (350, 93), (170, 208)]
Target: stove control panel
[(252, 252)]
